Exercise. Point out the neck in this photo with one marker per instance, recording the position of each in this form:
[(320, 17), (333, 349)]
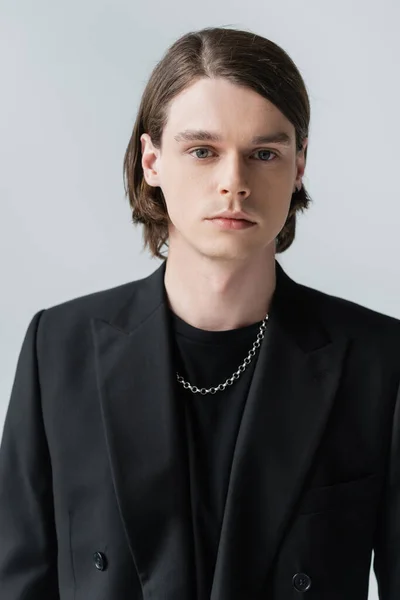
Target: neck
[(219, 295)]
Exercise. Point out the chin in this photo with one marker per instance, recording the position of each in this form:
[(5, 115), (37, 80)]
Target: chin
[(227, 251)]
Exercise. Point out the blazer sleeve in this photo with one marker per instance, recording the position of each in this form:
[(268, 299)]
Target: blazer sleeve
[(28, 548), (386, 563)]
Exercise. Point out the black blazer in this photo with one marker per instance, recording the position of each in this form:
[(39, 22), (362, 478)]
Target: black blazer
[(93, 500)]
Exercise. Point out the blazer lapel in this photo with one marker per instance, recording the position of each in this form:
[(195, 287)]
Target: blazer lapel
[(288, 406), (141, 420)]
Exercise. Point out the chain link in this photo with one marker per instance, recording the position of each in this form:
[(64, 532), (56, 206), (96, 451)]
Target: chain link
[(236, 375)]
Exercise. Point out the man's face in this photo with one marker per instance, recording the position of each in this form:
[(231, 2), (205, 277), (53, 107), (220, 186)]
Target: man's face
[(200, 178)]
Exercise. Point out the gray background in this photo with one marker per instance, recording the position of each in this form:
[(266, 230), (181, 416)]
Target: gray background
[(71, 78)]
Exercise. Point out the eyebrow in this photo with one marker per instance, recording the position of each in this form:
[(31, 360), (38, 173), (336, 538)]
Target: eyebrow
[(194, 135)]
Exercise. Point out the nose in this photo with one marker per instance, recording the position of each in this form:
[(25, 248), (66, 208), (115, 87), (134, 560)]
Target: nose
[(233, 179)]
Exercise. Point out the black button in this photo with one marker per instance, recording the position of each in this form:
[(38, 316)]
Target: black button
[(100, 561), (301, 582)]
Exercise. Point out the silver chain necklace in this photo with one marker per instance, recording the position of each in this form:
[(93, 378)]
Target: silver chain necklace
[(237, 374)]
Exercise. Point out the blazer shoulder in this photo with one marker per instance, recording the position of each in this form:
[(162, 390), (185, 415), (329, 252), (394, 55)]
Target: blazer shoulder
[(349, 315), (103, 304)]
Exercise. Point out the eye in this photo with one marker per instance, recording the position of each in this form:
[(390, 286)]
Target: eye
[(200, 150), (208, 150), (268, 152)]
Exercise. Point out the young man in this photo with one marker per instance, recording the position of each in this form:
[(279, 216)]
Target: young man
[(215, 430)]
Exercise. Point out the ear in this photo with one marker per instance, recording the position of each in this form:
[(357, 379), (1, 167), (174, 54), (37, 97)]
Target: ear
[(150, 156), (301, 163)]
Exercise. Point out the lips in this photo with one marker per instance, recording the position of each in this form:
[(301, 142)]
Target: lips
[(228, 223), (231, 218)]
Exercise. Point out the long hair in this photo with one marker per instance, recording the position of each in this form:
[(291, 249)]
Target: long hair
[(243, 58)]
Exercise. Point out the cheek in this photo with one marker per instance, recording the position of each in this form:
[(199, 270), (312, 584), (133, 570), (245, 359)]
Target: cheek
[(276, 206), (186, 198), (181, 206)]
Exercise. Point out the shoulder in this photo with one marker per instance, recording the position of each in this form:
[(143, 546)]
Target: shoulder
[(101, 302), (351, 319), (70, 319)]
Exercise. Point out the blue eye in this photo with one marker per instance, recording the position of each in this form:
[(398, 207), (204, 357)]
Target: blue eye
[(268, 152), (207, 150), (199, 150)]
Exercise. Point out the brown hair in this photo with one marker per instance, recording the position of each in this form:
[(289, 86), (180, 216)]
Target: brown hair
[(243, 58)]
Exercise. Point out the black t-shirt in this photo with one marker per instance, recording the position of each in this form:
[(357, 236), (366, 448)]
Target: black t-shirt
[(212, 421)]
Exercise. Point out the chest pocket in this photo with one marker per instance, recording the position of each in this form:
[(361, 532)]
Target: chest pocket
[(355, 494)]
